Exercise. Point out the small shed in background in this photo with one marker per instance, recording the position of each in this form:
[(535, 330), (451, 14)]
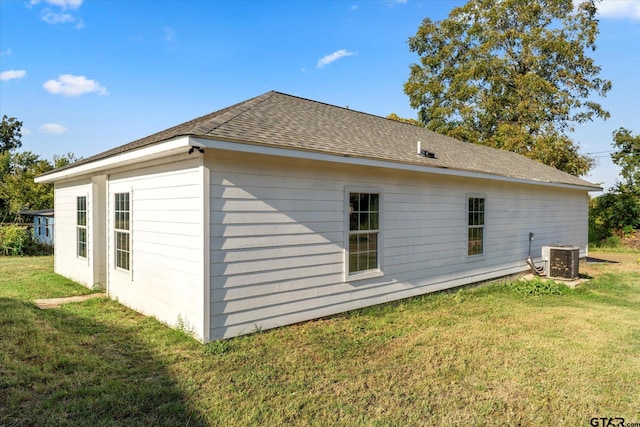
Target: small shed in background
[(43, 224)]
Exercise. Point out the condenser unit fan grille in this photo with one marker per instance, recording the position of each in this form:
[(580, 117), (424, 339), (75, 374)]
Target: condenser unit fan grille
[(563, 262)]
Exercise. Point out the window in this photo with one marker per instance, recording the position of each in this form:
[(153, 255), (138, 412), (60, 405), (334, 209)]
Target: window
[(475, 208), (364, 218), (122, 233), (81, 226)]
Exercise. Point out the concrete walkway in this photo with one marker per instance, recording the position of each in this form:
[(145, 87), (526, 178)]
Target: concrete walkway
[(45, 304)]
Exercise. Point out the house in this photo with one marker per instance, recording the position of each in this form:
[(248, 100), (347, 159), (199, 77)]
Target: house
[(43, 223), (281, 209)]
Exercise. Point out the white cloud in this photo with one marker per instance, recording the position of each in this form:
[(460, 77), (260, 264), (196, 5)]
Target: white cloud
[(56, 18), (328, 59), (12, 75), (619, 9), (70, 85), (60, 12), (6, 52), (25, 131), (63, 4), (54, 128)]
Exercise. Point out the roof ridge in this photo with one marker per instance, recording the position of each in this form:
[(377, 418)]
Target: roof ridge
[(244, 106), (344, 108)]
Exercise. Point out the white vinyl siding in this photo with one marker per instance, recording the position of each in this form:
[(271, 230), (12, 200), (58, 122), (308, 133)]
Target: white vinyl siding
[(69, 261), (278, 243), (164, 227)]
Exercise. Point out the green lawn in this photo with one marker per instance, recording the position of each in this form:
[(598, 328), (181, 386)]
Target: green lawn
[(492, 355)]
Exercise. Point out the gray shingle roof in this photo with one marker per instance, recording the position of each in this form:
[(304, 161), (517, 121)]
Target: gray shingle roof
[(279, 120)]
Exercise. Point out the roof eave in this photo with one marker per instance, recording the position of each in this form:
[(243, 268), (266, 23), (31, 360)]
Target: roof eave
[(257, 148), (150, 152)]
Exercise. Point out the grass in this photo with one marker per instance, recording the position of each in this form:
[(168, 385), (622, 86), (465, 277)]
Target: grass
[(500, 354)]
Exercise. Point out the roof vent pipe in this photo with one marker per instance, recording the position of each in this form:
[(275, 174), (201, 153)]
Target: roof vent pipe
[(425, 153)]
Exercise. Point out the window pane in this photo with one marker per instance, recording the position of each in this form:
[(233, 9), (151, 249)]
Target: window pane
[(353, 243), (353, 222), (363, 221), (81, 209), (121, 211), (82, 242), (362, 243), (353, 201), (374, 221), (372, 242), (373, 260), (353, 261), (363, 261), (364, 202), (374, 202), (122, 250)]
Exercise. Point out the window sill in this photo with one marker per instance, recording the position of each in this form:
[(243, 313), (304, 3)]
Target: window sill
[(472, 258), (370, 274)]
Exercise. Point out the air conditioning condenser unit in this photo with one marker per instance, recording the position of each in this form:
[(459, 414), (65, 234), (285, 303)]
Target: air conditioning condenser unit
[(562, 261)]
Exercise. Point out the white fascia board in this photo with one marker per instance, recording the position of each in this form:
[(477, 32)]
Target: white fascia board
[(150, 152), (312, 155)]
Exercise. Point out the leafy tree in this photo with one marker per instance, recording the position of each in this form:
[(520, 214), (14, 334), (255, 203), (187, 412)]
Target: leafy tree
[(397, 118), (614, 212), (17, 189), (627, 155), (510, 74), (618, 210), (10, 134)]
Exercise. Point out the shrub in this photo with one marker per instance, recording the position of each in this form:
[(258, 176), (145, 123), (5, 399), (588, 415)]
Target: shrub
[(17, 240), (537, 287), (13, 239)]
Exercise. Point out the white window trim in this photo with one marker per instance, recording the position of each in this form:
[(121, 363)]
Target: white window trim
[(467, 226), (367, 274), (82, 227), (119, 230)]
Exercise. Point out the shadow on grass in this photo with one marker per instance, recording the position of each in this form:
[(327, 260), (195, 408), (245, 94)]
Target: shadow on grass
[(63, 367), (593, 260)]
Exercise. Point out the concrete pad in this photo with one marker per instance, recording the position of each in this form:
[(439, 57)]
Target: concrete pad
[(570, 283), (48, 303)]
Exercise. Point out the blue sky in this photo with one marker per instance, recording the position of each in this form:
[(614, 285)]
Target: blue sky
[(86, 76)]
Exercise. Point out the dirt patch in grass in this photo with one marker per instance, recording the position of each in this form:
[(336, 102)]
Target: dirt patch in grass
[(48, 303)]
